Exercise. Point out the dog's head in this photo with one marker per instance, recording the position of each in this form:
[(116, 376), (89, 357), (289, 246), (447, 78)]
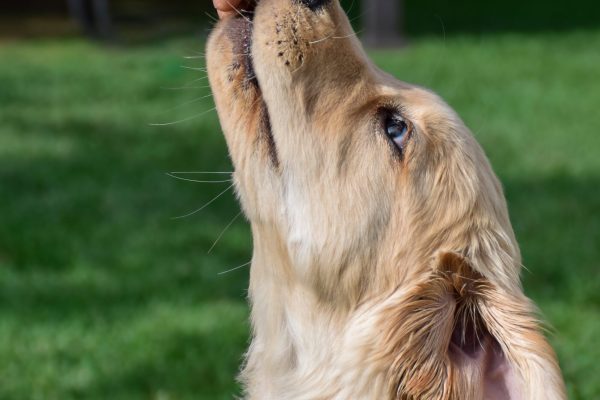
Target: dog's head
[(356, 170), (358, 184)]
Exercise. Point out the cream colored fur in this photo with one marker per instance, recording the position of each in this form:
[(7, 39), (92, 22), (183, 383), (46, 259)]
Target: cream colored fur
[(365, 264)]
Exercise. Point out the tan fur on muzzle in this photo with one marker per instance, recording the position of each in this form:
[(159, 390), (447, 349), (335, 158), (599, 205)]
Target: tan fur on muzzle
[(385, 265)]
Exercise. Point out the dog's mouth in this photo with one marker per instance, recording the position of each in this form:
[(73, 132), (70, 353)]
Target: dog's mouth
[(242, 78), (271, 63)]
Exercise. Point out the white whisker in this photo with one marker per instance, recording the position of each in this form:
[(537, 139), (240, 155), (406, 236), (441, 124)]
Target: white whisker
[(196, 80), (320, 40), (184, 119), (206, 205), (188, 103), (349, 36), (336, 37), (193, 68), (351, 6), (194, 180), (235, 269), (223, 232), (186, 87), (297, 69), (239, 12), (215, 19), (200, 172)]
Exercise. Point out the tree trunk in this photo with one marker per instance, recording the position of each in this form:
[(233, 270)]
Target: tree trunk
[(382, 22), (103, 20), (93, 16)]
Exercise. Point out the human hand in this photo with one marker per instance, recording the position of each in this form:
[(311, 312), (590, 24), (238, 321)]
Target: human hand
[(228, 7)]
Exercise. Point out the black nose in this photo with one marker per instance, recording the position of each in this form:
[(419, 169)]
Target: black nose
[(314, 4)]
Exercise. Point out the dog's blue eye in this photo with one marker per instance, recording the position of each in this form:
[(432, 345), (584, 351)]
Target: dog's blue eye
[(397, 129)]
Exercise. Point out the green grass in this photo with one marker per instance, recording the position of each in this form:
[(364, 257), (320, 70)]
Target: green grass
[(104, 296)]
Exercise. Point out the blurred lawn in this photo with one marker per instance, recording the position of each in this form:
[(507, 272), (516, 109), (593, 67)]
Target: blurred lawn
[(104, 296)]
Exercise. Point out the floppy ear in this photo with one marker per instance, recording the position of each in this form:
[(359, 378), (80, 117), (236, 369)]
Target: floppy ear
[(456, 335)]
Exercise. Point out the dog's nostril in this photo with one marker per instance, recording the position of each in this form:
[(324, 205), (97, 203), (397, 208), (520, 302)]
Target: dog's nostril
[(314, 4)]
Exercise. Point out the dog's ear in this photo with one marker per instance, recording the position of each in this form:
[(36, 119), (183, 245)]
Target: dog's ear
[(457, 335), (477, 358)]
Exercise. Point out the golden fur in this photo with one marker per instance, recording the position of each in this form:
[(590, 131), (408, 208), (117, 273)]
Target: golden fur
[(374, 276)]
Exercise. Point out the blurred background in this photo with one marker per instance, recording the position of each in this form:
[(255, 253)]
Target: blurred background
[(103, 295)]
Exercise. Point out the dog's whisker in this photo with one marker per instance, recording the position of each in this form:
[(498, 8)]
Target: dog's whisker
[(205, 205), (323, 39), (351, 6), (185, 87), (357, 17), (335, 37), (188, 103), (201, 69), (320, 40), (236, 268), (212, 17), (239, 12), (349, 36), (298, 69), (195, 55), (202, 172), (195, 180), (196, 80), (184, 119), (223, 232)]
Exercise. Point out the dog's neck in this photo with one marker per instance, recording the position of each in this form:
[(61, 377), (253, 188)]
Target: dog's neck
[(297, 328), (291, 327), (300, 329)]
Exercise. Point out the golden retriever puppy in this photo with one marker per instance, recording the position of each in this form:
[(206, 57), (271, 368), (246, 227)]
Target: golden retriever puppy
[(385, 265)]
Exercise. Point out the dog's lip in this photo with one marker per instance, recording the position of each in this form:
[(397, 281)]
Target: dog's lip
[(246, 14), (247, 47), (239, 30)]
